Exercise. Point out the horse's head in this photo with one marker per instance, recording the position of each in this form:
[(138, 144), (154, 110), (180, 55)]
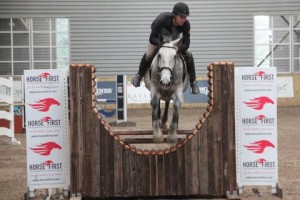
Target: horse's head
[(166, 61)]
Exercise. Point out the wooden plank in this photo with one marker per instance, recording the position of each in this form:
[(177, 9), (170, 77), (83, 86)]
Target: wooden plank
[(211, 163), (147, 131), (225, 105), (195, 173), (110, 164), (180, 170), (139, 172), (220, 93), (145, 176), (103, 161), (188, 168), (231, 132), (160, 175), (73, 131), (118, 166), (88, 138), (145, 141), (203, 159), (125, 173), (174, 173), (168, 175), (132, 173), (96, 155), (153, 175)]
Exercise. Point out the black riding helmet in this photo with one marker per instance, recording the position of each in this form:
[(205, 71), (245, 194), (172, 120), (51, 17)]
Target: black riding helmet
[(181, 9)]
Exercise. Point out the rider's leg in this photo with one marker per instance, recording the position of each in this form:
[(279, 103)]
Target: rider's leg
[(189, 59), (144, 65)]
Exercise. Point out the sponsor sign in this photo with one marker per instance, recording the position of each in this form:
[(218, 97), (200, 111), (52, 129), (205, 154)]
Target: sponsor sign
[(106, 90), (138, 95), (256, 126), (285, 87), (47, 134), (197, 98)]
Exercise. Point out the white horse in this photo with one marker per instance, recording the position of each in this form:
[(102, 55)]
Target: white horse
[(166, 80)]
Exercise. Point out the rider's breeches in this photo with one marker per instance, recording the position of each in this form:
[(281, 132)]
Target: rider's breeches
[(147, 59), (151, 50)]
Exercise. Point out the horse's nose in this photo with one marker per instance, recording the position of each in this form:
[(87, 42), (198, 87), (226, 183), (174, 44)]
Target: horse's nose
[(164, 82)]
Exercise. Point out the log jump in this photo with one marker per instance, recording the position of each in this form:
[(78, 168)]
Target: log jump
[(108, 163)]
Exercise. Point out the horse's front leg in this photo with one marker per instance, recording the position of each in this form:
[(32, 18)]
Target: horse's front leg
[(157, 134), (164, 119), (172, 135)]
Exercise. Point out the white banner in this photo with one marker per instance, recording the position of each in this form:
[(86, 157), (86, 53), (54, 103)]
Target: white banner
[(47, 132), (256, 126), (138, 95)]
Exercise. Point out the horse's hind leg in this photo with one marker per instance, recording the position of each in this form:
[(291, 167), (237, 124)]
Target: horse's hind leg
[(172, 135), (164, 119), (157, 134)]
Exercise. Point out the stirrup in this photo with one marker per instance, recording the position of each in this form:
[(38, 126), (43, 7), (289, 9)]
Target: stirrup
[(195, 88), (136, 80)]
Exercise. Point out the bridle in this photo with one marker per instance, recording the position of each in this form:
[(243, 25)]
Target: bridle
[(167, 68), (171, 71)]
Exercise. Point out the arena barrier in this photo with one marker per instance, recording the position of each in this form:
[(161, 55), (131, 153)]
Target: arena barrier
[(107, 163)]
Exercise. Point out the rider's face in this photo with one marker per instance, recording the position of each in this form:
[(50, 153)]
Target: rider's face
[(179, 20)]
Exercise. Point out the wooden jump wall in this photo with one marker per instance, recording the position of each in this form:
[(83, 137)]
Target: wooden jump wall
[(202, 163)]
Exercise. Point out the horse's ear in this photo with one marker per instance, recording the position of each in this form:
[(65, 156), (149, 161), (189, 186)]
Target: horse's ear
[(175, 42), (165, 35)]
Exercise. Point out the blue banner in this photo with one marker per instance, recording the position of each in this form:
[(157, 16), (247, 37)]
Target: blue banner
[(106, 91), (197, 98)]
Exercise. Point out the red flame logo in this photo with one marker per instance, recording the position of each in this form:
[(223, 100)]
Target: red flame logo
[(259, 146), (43, 105), (47, 162), (45, 149), (261, 160), (46, 119), (45, 75), (259, 102), (260, 117), (260, 73)]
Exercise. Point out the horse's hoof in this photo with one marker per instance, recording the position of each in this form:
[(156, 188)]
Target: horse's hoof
[(172, 139), (158, 139)]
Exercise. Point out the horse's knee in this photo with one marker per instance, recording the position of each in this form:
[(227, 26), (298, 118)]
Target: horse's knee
[(154, 102), (176, 103)]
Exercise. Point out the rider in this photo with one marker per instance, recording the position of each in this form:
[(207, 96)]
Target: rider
[(176, 23)]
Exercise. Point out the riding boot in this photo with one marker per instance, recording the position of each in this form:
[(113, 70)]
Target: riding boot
[(144, 66), (191, 70)]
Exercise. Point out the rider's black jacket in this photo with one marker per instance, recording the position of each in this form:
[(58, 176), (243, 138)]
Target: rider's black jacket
[(165, 21)]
